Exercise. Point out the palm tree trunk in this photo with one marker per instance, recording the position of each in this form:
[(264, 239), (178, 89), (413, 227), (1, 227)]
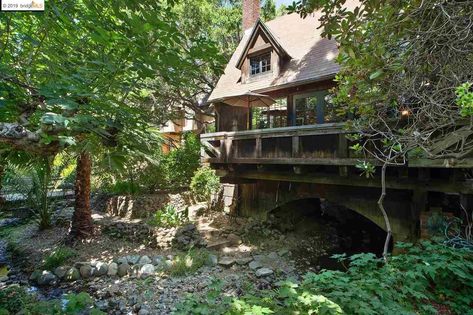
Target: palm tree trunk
[(82, 225), (2, 170)]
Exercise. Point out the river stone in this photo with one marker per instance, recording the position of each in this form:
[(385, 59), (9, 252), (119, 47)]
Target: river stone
[(133, 259), (212, 260), (255, 264), (60, 272), (72, 274), (86, 271), (101, 269), (112, 269), (123, 269), (47, 278), (146, 271), (226, 261), (158, 260), (35, 275), (122, 260), (244, 260), (144, 260), (263, 272)]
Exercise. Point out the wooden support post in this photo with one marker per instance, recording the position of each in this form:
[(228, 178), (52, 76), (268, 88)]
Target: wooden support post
[(343, 171), (403, 172), (223, 150), (258, 149), (342, 150), (295, 146), (466, 202)]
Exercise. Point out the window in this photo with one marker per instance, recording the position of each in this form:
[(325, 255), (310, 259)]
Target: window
[(277, 115), (260, 64), (313, 109)]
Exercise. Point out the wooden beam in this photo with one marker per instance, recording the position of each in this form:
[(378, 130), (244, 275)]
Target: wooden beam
[(258, 149), (465, 187), (295, 147)]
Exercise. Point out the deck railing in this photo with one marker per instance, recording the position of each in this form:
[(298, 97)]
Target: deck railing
[(324, 144)]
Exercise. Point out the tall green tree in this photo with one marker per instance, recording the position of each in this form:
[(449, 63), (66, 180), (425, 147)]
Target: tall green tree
[(268, 10), (83, 74), (407, 68)]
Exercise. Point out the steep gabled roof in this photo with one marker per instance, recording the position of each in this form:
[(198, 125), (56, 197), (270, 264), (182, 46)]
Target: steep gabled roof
[(312, 57), (260, 28)]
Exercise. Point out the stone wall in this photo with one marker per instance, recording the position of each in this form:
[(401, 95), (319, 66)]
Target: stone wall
[(144, 206)]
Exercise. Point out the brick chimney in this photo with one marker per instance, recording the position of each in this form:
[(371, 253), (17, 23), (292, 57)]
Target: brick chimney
[(251, 11)]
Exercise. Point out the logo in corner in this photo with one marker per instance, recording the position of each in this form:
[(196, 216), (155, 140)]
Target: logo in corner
[(22, 5)]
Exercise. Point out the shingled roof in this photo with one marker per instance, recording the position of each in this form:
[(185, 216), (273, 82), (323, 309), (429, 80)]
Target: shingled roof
[(312, 57)]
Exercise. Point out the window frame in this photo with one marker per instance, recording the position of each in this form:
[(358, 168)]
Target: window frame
[(262, 57)]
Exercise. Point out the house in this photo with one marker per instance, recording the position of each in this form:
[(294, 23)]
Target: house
[(297, 148)]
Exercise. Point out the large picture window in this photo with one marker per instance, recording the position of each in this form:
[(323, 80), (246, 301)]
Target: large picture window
[(260, 64), (311, 109), (274, 116)]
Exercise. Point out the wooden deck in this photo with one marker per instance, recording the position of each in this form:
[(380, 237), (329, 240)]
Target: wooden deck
[(324, 144)]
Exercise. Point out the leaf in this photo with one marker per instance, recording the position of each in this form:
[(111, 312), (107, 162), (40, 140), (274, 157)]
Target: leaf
[(376, 74)]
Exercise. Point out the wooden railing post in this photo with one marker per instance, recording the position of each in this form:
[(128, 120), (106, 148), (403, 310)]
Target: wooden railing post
[(223, 149), (295, 146), (259, 149)]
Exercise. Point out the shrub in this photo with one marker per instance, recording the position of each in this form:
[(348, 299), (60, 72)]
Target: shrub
[(189, 262), (415, 282), (204, 183), (58, 257), (168, 217)]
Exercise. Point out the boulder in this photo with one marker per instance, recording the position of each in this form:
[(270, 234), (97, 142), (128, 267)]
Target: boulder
[(101, 269), (72, 274), (122, 260), (112, 269), (264, 272), (255, 264), (60, 272), (123, 269), (47, 278), (195, 211), (146, 271), (35, 275), (226, 261), (144, 260), (158, 260), (86, 271)]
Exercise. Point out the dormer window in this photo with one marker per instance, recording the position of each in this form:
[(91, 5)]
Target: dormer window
[(260, 63)]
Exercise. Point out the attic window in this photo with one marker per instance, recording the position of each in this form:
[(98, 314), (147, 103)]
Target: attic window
[(260, 64)]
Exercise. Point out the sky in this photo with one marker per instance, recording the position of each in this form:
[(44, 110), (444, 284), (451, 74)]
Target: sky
[(286, 2)]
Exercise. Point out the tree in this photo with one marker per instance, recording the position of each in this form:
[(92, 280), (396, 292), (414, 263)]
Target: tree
[(82, 75), (282, 10), (405, 72), (268, 10)]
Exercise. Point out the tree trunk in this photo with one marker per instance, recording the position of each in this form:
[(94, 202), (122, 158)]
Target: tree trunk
[(383, 211), (82, 225), (2, 170)]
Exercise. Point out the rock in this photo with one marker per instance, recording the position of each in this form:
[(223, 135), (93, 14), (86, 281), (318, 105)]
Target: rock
[(144, 260), (133, 259), (81, 263), (264, 272), (273, 256), (234, 239), (158, 260), (283, 252), (101, 269), (144, 311), (122, 260), (195, 211), (146, 271), (102, 305), (72, 274), (123, 269), (226, 261), (244, 260), (212, 260), (35, 275), (47, 278), (60, 272), (255, 264), (4, 279), (112, 269), (86, 271)]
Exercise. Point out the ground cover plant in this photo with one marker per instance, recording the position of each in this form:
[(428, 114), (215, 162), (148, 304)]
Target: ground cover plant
[(420, 280)]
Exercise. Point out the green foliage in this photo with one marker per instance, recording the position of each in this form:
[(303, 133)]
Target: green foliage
[(411, 283), (58, 257), (168, 217), (204, 183), (188, 263), (367, 169), (268, 10), (15, 299), (465, 99)]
